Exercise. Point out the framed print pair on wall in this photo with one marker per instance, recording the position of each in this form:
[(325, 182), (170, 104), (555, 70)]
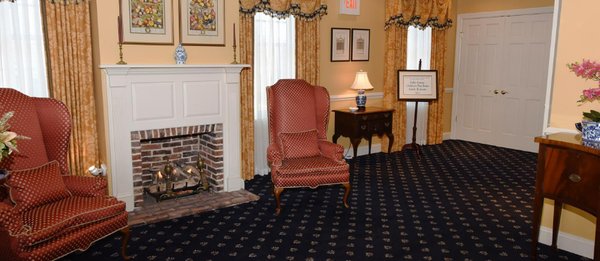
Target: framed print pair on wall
[(350, 44), (201, 22)]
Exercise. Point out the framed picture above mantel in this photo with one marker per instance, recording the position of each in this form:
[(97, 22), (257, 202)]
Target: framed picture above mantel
[(146, 22), (202, 22)]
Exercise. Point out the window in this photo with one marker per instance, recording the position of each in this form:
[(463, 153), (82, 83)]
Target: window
[(274, 59), (22, 54), (418, 47)]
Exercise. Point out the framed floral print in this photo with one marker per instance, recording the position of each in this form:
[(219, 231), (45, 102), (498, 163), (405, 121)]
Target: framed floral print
[(202, 22), (147, 22), (340, 44)]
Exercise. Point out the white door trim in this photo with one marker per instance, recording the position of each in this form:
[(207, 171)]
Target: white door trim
[(551, 65), (513, 12)]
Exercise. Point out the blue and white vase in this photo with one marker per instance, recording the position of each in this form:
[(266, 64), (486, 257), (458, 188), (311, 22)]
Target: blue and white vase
[(590, 131), (180, 55)]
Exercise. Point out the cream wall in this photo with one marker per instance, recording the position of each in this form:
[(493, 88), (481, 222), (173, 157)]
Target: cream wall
[(573, 44), (337, 77)]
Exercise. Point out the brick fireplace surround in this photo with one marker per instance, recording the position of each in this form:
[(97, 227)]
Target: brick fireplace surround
[(151, 149), (147, 101)]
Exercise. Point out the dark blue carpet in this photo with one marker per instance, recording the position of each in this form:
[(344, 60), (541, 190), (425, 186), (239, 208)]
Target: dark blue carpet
[(461, 201)]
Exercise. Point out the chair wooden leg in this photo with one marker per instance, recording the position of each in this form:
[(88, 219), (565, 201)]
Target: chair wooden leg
[(277, 192), (347, 186), (125, 239)]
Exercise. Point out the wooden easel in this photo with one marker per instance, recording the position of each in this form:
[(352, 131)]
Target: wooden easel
[(414, 145)]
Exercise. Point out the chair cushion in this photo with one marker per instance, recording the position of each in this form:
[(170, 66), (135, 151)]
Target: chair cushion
[(299, 144), (35, 187), (53, 219), (310, 172)]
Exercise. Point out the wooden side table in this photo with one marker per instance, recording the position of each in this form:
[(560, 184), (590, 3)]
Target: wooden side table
[(569, 173), (363, 124)]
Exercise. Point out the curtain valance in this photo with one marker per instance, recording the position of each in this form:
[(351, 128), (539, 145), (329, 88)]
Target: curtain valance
[(419, 13), (305, 10)]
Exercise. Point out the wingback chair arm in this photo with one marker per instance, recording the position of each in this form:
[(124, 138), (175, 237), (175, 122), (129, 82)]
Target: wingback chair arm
[(332, 150), (10, 222), (86, 186), (274, 156)]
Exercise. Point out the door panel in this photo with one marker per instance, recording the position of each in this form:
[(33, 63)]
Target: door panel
[(501, 80)]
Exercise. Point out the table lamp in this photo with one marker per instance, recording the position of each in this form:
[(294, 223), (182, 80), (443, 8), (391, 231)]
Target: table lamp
[(361, 83)]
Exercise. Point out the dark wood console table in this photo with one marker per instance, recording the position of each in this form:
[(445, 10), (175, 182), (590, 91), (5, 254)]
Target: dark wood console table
[(569, 173), (363, 124)]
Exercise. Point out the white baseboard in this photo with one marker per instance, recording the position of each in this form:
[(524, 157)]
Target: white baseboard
[(568, 242), (446, 135), (362, 150), (551, 130)]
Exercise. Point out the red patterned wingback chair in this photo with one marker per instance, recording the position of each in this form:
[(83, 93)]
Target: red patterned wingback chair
[(45, 213), (299, 154)]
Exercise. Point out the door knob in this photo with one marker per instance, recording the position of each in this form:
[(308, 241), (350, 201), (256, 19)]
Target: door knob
[(503, 92), (496, 91)]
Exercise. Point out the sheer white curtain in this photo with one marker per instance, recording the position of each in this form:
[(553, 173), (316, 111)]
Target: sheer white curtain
[(418, 47), (274, 59), (22, 58)]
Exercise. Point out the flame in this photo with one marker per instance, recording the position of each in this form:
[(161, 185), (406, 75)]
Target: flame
[(159, 175)]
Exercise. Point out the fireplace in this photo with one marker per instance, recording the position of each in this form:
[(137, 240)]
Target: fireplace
[(146, 103), (152, 150)]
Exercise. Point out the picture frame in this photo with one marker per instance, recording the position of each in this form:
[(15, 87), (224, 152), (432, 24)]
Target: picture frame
[(417, 85), (361, 42), (202, 24), (146, 22), (350, 7), (340, 44)]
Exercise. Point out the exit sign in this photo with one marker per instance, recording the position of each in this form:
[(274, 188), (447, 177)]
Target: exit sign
[(350, 7)]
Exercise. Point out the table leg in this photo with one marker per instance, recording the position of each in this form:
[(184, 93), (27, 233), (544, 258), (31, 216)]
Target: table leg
[(556, 222), (391, 138), (355, 143), (538, 201), (370, 138)]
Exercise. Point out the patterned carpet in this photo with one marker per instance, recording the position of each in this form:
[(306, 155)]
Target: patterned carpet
[(461, 201)]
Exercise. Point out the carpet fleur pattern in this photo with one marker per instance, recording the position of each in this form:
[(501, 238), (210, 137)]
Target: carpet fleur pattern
[(460, 201)]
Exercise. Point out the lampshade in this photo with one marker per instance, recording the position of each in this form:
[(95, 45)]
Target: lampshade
[(361, 82)]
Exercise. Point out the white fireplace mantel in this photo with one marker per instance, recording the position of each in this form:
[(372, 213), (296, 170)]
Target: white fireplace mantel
[(143, 97)]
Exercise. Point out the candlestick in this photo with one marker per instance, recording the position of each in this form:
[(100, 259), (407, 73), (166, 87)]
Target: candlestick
[(234, 47), (120, 28), (121, 54)]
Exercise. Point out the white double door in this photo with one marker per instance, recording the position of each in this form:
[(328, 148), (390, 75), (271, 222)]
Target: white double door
[(501, 78)]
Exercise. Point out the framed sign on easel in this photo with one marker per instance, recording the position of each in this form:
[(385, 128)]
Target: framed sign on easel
[(418, 86)]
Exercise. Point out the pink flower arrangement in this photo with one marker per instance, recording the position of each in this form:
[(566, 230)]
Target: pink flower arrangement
[(590, 71)]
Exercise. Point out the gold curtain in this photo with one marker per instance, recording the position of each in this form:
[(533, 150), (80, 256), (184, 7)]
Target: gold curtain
[(400, 14), (395, 59), (435, 115), (69, 52), (247, 95), (307, 50), (307, 14)]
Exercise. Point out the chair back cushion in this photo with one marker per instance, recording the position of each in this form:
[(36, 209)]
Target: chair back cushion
[(295, 106), (32, 152), (299, 144), (34, 187)]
